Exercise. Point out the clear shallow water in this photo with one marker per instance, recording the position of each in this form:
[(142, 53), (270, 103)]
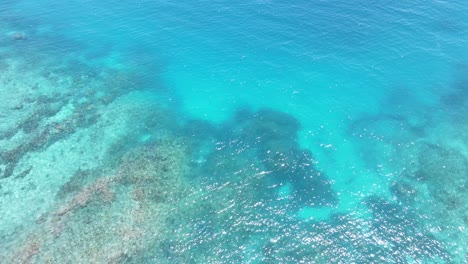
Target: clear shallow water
[(212, 132)]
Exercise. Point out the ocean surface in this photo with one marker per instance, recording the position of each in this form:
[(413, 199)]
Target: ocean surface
[(258, 131)]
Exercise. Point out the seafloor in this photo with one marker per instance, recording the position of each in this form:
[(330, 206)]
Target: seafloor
[(105, 159)]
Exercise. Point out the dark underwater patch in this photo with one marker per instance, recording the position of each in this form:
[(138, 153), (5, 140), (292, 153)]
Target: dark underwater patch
[(266, 140), (457, 97), (401, 231), (45, 136), (444, 171), (436, 189)]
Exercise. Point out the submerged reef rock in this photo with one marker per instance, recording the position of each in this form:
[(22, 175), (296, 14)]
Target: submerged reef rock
[(265, 143), (437, 189), (400, 230), (265, 125), (445, 171), (114, 217), (232, 223), (296, 167), (156, 170), (45, 136), (56, 102), (458, 95), (404, 191), (78, 181)]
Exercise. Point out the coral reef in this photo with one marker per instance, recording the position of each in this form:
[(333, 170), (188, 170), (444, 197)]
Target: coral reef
[(458, 94), (155, 170), (437, 189), (78, 181), (401, 231), (42, 138), (445, 173), (265, 143), (114, 217), (53, 103), (99, 189), (266, 125)]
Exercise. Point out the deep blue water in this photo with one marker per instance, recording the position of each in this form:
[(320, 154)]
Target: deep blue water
[(217, 132)]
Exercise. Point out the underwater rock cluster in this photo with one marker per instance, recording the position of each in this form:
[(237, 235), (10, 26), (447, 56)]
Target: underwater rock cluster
[(114, 217), (55, 103), (442, 170), (445, 172), (265, 142), (437, 188), (155, 171)]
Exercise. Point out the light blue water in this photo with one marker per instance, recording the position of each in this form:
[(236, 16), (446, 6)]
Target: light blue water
[(217, 132)]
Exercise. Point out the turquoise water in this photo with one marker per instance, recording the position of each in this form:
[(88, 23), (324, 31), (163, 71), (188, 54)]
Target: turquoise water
[(216, 132)]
